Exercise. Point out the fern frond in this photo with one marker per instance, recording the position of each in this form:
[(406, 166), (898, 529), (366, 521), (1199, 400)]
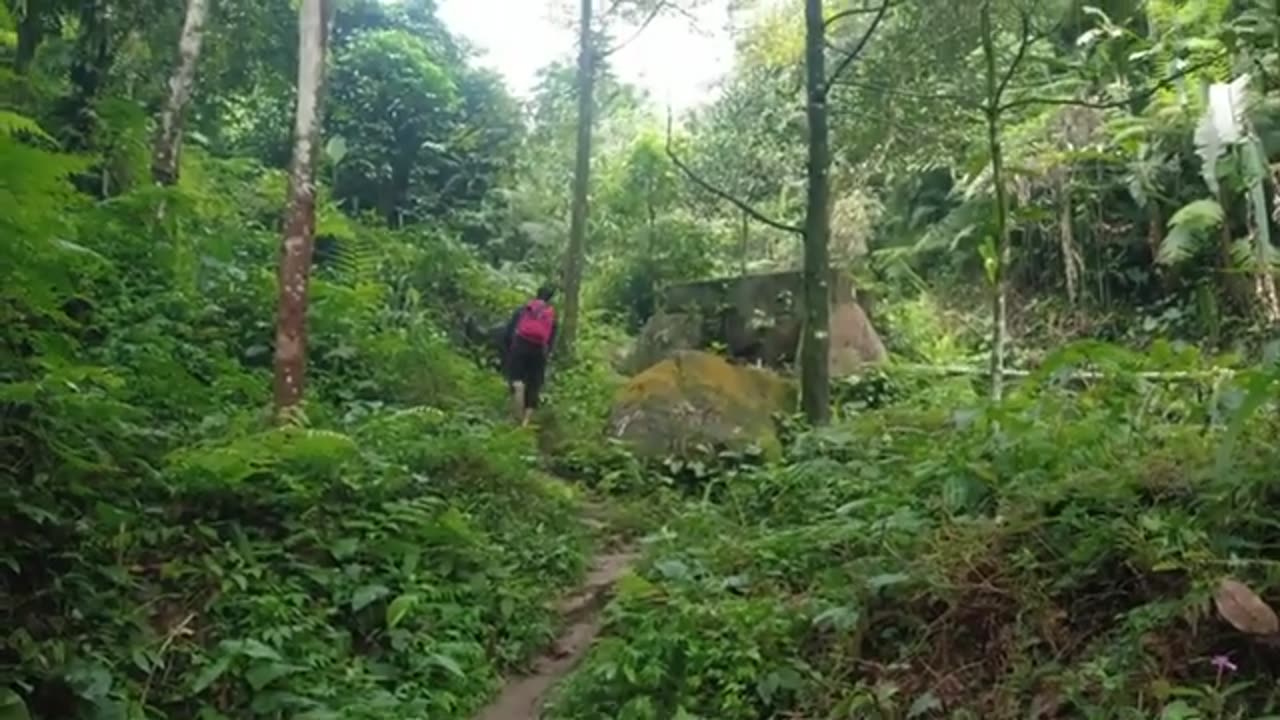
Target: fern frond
[(1198, 215), (356, 260), (1187, 227), (11, 124)]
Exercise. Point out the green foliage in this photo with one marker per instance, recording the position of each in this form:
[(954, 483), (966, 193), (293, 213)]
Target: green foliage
[(169, 555), (1192, 220), (1061, 548), (391, 552), (389, 77)]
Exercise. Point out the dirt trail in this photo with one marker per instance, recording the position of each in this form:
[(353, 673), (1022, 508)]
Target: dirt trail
[(522, 696)]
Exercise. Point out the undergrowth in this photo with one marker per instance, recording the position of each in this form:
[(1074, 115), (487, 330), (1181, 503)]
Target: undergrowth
[(166, 551), (1054, 556)]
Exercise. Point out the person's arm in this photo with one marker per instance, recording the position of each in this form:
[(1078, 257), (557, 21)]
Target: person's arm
[(551, 341)]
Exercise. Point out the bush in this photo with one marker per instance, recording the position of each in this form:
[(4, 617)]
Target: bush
[(168, 553), (1060, 550)]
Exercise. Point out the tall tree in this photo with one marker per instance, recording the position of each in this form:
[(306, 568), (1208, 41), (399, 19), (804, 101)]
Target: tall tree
[(575, 255), (815, 342), (164, 163), (300, 212), (995, 86), (591, 53), (815, 346)]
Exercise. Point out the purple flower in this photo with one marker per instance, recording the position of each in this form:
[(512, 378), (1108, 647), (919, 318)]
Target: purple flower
[(1223, 664)]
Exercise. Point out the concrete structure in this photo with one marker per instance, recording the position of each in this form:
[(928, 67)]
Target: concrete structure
[(755, 318)]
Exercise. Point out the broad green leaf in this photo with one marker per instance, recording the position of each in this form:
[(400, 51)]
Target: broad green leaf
[(672, 569), (398, 608), (448, 664), (884, 580), (12, 706), (262, 674), (368, 594), (344, 548), (840, 618), (1180, 710), (336, 149), (258, 650), (210, 674)]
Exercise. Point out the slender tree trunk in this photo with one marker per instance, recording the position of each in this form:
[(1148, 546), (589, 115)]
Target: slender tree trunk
[(30, 35), (1264, 276), (300, 213), (575, 256), (1268, 298), (1155, 233), (1067, 239), (90, 65), (815, 381), (164, 161), (651, 218), (999, 291), (746, 241)]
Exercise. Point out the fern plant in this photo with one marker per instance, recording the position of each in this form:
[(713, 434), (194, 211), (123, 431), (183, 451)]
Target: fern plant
[(37, 257)]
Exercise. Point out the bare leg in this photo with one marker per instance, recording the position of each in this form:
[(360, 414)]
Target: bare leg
[(517, 399)]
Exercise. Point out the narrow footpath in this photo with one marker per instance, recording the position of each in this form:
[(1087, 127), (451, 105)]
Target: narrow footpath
[(522, 697)]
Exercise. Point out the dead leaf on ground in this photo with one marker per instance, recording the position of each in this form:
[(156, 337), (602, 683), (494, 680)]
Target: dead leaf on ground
[(1239, 605)]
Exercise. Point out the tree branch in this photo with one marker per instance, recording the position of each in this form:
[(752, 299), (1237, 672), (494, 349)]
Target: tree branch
[(1131, 98), (613, 7), (1023, 43), (741, 205), (909, 94), (857, 49), (850, 12), (657, 8)]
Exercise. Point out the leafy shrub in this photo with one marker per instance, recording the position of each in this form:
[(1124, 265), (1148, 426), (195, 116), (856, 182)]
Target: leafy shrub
[(1059, 550), (166, 553)]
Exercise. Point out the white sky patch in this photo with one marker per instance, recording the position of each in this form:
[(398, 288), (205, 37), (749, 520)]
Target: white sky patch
[(677, 59)]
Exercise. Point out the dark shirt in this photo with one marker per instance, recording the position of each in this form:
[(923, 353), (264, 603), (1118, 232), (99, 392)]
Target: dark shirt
[(510, 335)]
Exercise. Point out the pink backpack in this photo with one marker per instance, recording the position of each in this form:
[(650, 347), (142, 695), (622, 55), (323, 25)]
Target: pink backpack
[(536, 323)]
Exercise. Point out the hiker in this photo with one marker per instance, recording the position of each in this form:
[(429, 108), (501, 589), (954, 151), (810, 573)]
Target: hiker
[(528, 340)]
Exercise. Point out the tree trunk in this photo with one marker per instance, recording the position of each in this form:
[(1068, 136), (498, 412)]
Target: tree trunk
[(746, 242), (90, 65), (999, 330), (1071, 263), (30, 35), (1155, 233), (1264, 277), (574, 257), (300, 213), (164, 162), (1268, 298), (815, 383)]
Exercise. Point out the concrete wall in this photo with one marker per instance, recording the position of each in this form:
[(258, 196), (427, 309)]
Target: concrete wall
[(757, 318)]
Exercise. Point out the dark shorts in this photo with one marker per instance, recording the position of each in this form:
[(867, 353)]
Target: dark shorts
[(527, 363)]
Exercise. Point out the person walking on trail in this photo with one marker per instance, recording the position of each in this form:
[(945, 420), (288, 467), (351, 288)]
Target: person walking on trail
[(529, 337)]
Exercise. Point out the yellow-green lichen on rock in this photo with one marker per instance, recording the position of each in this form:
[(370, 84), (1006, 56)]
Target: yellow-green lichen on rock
[(695, 398)]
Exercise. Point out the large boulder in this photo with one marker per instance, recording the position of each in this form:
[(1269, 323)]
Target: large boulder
[(695, 398), (854, 341), (662, 335)]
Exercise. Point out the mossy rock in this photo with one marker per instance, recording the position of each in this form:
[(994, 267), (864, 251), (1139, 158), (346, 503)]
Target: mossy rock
[(664, 334), (696, 398)]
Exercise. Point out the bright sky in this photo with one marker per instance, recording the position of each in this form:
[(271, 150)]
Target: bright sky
[(676, 58)]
